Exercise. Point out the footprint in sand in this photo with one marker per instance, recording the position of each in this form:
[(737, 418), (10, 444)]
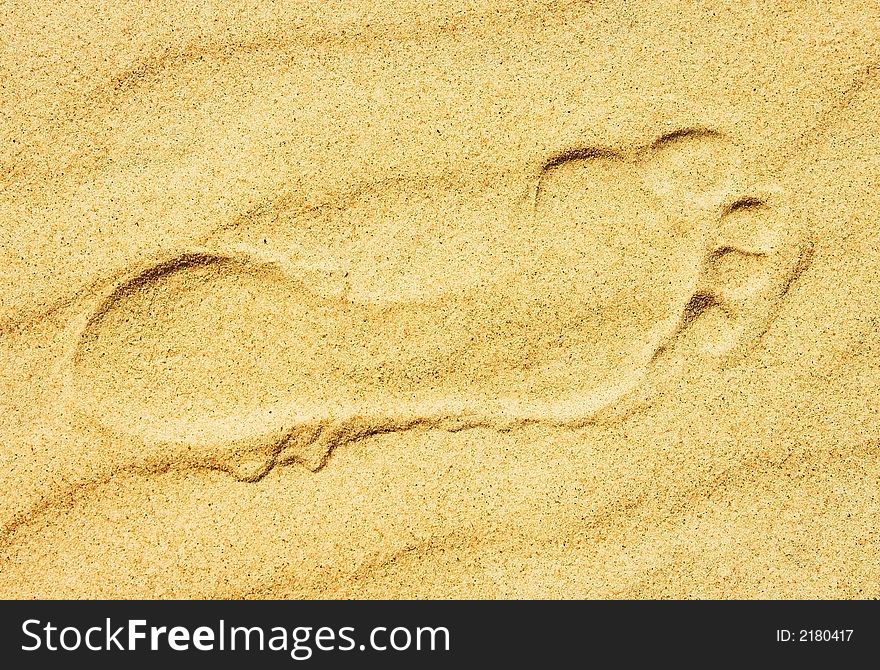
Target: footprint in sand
[(448, 304)]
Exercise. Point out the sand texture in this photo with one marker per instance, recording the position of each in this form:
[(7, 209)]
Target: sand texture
[(428, 300)]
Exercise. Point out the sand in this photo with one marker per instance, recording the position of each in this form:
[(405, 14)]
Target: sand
[(432, 300)]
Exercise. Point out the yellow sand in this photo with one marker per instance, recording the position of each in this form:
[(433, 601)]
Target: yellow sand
[(454, 299)]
